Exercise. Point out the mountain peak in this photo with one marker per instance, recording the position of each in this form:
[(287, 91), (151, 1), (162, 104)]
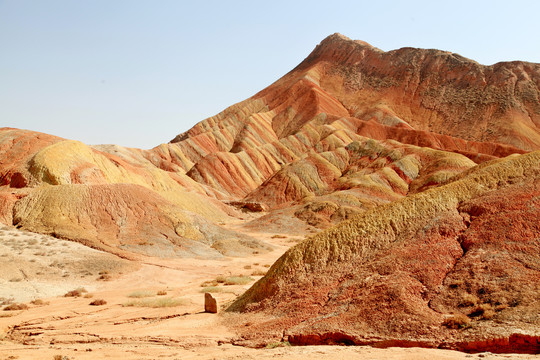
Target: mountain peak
[(340, 38)]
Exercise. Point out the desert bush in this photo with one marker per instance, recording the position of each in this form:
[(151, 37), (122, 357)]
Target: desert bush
[(75, 293), (258, 273), (221, 279), (98, 302), (161, 293), (458, 321), (247, 267), (16, 307)]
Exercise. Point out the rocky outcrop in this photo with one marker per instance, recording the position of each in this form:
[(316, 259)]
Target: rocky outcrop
[(210, 304)]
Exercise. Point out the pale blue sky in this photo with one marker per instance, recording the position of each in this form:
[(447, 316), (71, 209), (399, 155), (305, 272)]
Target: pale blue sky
[(137, 73)]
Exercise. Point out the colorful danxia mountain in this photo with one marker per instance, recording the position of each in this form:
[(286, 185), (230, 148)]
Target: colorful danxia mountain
[(416, 172)]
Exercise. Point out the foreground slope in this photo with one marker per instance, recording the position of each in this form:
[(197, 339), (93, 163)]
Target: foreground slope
[(455, 266)]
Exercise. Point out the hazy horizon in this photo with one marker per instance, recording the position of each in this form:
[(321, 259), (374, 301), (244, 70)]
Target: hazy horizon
[(137, 73)]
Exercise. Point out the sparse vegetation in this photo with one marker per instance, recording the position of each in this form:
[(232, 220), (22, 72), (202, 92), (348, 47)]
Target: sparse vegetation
[(468, 300), (104, 277), (141, 294), (216, 289), (209, 283), (16, 307), (161, 293), (156, 303), (6, 301), (278, 344), (458, 321), (258, 273), (238, 280), (98, 302), (484, 311), (39, 302), (76, 293)]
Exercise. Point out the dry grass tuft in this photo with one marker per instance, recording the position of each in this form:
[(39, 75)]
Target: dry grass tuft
[(238, 280), (216, 289), (209, 283), (156, 303), (258, 273), (141, 294)]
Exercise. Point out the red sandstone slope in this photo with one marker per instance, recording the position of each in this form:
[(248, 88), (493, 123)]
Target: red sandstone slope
[(456, 266)]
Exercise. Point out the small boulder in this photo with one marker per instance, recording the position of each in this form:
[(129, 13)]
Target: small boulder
[(210, 304)]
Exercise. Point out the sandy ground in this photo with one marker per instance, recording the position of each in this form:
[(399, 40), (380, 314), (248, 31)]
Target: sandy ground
[(136, 322)]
